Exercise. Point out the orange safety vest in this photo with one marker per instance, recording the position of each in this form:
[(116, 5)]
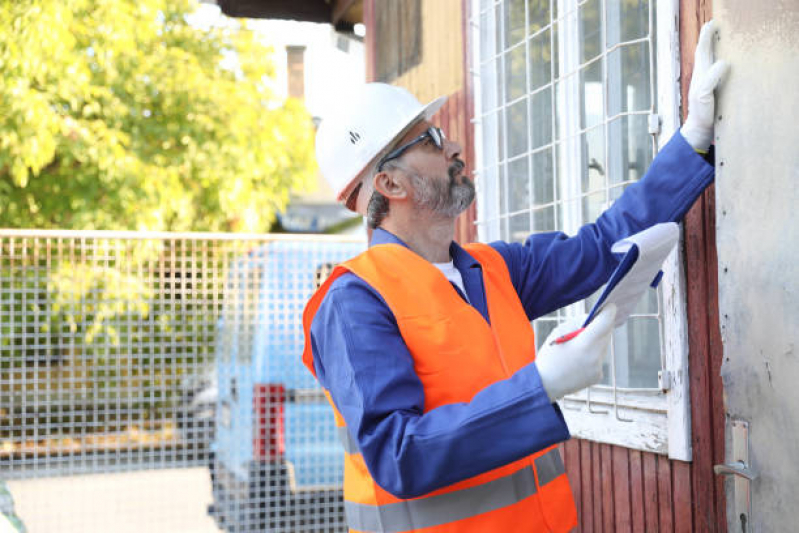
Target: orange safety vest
[(456, 354)]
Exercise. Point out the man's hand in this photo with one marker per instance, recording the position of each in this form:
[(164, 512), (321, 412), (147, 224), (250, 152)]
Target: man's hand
[(575, 364), (698, 127)]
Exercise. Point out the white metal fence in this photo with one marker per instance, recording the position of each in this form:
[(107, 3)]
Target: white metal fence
[(160, 375)]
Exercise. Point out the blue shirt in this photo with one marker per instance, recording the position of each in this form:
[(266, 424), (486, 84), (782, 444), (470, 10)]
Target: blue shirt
[(361, 359)]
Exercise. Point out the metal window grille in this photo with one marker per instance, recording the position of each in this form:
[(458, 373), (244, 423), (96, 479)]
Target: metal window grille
[(567, 96), (153, 382)]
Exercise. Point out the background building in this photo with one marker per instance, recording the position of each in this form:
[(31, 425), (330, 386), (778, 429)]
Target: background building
[(316, 64)]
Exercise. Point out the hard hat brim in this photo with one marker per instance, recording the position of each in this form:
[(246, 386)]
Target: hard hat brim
[(426, 113)]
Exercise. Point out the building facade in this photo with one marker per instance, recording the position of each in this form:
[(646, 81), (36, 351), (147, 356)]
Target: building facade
[(559, 105)]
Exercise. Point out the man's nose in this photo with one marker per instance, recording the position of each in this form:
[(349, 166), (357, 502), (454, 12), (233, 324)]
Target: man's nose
[(452, 149)]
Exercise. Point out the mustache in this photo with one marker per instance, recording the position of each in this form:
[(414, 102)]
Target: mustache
[(456, 168)]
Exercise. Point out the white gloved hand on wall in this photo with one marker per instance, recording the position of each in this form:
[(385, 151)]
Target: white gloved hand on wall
[(698, 127), (575, 364)]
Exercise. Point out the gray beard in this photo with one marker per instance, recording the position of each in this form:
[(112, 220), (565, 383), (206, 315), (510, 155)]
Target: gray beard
[(447, 199)]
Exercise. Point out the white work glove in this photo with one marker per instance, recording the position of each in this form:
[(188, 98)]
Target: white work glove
[(698, 127), (575, 364)]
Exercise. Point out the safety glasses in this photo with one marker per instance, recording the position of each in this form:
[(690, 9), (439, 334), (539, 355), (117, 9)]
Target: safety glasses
[(432, 133)]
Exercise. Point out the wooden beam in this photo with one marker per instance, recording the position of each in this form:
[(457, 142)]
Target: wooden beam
[(340, 9), (303, 10)]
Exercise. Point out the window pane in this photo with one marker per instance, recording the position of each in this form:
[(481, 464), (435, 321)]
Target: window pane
[(648, 304), (543, 327), (541, 128), (519, 184), (616, 192), (590, 30), (592, 95), (517, 128), (555, 53), (593, 205), (515, 75), (498, 18), (538, 14), (637, 351), (543, 179), (544, 219), (631, 17), (501, 133), (514, 22), (606, 368), (593, 173), (488, 72), (503, 230), (519, 227), (503, 193), (630, 148), (591, 300), (628, 79), (540, 60)]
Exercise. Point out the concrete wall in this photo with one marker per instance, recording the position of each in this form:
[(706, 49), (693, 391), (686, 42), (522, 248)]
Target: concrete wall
[(757, 187)]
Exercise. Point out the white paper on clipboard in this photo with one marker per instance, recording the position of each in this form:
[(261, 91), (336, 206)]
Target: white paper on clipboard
[(637, 270)]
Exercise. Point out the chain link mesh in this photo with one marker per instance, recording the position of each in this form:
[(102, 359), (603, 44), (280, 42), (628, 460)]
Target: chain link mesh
[(154, 382)]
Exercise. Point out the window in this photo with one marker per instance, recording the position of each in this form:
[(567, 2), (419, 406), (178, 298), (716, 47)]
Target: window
[(569, 111)]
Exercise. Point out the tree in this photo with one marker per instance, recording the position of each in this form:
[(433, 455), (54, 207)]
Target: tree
[(120, 114)]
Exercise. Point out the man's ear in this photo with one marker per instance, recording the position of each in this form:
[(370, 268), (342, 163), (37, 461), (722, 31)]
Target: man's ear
[(391, 185)]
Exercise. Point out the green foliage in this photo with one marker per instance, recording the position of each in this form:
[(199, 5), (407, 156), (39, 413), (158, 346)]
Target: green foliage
[(119, 114)]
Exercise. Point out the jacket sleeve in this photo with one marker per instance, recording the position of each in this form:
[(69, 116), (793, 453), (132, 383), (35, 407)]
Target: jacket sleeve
[(361, 359), (552, 270)]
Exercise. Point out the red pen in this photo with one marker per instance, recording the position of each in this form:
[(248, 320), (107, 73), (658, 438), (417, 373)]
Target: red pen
[(567, 337)]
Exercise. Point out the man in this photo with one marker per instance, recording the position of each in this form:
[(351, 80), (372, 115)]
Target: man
[(425, 348)]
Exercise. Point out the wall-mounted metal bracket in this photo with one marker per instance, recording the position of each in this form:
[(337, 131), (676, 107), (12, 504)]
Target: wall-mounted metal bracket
[(739, 467)]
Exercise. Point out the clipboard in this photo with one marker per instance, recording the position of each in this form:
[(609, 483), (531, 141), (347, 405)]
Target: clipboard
[(638, 270)]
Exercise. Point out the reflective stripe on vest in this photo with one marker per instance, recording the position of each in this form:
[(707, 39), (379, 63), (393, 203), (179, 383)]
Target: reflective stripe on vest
[(458, 505), (350, 444)]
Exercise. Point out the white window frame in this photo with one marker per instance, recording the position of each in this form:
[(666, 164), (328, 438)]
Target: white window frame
[(646, 419)]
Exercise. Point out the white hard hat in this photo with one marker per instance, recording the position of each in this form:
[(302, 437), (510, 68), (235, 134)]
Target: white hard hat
[(363, 126)]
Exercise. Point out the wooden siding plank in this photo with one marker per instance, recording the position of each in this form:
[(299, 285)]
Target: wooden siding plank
[(703, 485), (652, 522), (586, 485), (596, 484), (570, 450), (681, 475), (665, 501), (608, 492), (621, 489), (637, 491)]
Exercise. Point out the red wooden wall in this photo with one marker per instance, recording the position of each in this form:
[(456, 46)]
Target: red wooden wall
[(704, 333), (615, 488)]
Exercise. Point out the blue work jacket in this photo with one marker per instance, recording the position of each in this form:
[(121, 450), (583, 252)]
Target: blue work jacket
[(361, 359)]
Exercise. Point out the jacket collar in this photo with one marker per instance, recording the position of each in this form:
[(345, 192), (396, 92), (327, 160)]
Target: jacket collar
[(460, 257)]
